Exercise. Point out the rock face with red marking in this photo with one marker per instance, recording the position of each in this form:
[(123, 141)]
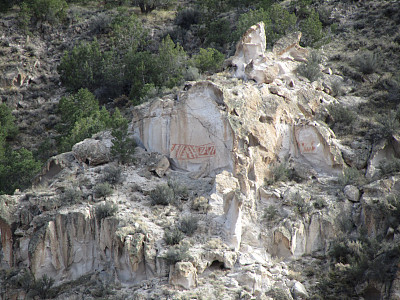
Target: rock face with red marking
[(193, 132), (223, 134)]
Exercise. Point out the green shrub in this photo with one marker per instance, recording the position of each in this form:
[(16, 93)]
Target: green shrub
[(390, 166), (388, 125), (102, 190), (147, 6), (76, 107), (123, 147), (393, 90), (8, 129), (367, 62), (112, 174), (188, 225), (103, 291), (26, 280), (47, 148), (362, 260), (150, 72), (114, 72), (106, 210), (187, 17), (213, 8), (201, 204), (52, 11), (71, 196), (340, 251), (209, 60), (176, 253), (320, 203), (126, 69), (271, 213), (301, 206), (341, 114), (162, 195), (173, 236), (310, 69), (85, 128), (142, 72), (280, 172), (24, 17), (278, 294), (128, 33), (42, 287), (341, 118), (282, 22), (81, 117), (17, 169), (350, 176), (311, 28), (83, 67), (180, 191), (218, 33), (171, 61), (301, 7), (5, 5), (99, 24)]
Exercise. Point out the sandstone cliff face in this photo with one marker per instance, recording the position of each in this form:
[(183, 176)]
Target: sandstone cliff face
[(192, 131), (235, 125)]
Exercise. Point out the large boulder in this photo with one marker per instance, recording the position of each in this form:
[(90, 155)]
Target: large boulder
[(92, 152), (183, 274)]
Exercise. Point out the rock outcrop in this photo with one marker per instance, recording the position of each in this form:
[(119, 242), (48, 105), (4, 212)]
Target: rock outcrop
[(183, 274), (192, 131), (92, 152), (219, 138)]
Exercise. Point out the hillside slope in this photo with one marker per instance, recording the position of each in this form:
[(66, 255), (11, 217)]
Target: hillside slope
[(251, 183)]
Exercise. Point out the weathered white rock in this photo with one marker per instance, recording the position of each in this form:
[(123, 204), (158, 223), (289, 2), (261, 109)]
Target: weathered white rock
[(253, 278), (183, 274), (54, 166), (298, 238), (250, 59), (299, 292), (92, 152), (352, 193), (288, 47), (75, 243), (263, 71), (161, 166), (383, 151)]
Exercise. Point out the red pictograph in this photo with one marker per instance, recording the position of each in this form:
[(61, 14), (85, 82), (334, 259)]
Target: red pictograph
[(183, 151), (307, 147)]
